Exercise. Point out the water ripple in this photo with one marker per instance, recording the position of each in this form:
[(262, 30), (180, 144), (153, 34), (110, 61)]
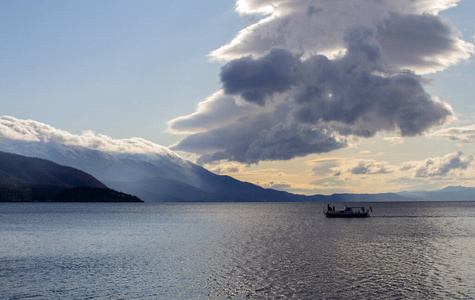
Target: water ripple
[(238, 251)]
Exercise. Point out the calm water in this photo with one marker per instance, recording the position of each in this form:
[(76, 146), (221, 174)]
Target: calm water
[(242, 250)]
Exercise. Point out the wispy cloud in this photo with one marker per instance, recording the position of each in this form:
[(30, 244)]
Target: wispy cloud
[(226, 168), (463, 135), (395, 140)]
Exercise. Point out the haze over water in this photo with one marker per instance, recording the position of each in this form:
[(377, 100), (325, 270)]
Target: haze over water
[(235, 250)]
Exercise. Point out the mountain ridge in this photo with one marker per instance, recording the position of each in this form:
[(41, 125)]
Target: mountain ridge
[(166, 177)]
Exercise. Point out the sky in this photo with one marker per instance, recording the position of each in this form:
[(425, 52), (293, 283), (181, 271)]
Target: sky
[(305, 96)]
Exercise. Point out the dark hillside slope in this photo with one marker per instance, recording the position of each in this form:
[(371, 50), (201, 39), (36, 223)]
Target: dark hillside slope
[(24, 179), (36, 171)]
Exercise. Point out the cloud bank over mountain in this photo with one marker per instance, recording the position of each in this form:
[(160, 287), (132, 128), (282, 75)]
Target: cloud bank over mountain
[(313, 76), (34, 131), (151, 172), (163, 175)]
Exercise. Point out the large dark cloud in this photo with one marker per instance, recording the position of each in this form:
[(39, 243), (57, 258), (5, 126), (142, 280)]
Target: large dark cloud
[(306, 80), (256, 79), (314, 105)]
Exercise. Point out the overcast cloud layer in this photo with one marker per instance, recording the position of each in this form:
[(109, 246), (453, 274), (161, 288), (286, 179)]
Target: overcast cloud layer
[(311, 76)]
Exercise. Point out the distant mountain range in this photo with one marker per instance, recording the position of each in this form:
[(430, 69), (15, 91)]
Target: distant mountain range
[(34, 179), (451, 193), (165, 177)]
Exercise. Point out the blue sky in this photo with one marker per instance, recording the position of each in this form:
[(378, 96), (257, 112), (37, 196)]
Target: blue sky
[(80, 65), (129, 68), (453, 83)]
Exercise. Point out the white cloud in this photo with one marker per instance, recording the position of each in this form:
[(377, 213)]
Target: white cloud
[(216, 111), (29, 130), (319, 27), (436, 167), (439, 166)]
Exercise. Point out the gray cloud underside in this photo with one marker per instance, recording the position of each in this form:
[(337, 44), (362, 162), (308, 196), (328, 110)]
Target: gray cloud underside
[(262, 137), (365, 168), (315, 105)]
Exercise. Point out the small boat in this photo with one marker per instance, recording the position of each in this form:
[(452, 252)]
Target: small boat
[(348, 212)]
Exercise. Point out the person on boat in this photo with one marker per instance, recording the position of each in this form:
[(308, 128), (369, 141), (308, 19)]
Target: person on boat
[(329, 207)]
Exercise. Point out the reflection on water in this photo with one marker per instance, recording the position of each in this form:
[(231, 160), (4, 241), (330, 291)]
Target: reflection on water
[(242, 250)]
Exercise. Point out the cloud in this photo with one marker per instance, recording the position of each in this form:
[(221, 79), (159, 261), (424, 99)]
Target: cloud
[(319, 104), (225, 168), (425, 43), (256, 79), (29, 130), (281, 185), (216, 110), (369, 167), (436, 167), (321, 167), (261, 137), (361, 167), (463, 135), (410, 32), (440, 166), (299, 188), (395, 140), (312, 76)]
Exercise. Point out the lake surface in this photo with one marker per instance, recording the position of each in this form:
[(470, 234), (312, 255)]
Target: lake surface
[(235, 250)]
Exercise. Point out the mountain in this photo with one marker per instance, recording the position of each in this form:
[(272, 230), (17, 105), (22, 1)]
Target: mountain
[(381, 197), (34, 179), (154, 177), (92, 194), (451, 193), (164, 176), (35, 171)]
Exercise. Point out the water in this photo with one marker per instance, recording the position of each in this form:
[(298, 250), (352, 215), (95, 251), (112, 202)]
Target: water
[(235, 250)]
